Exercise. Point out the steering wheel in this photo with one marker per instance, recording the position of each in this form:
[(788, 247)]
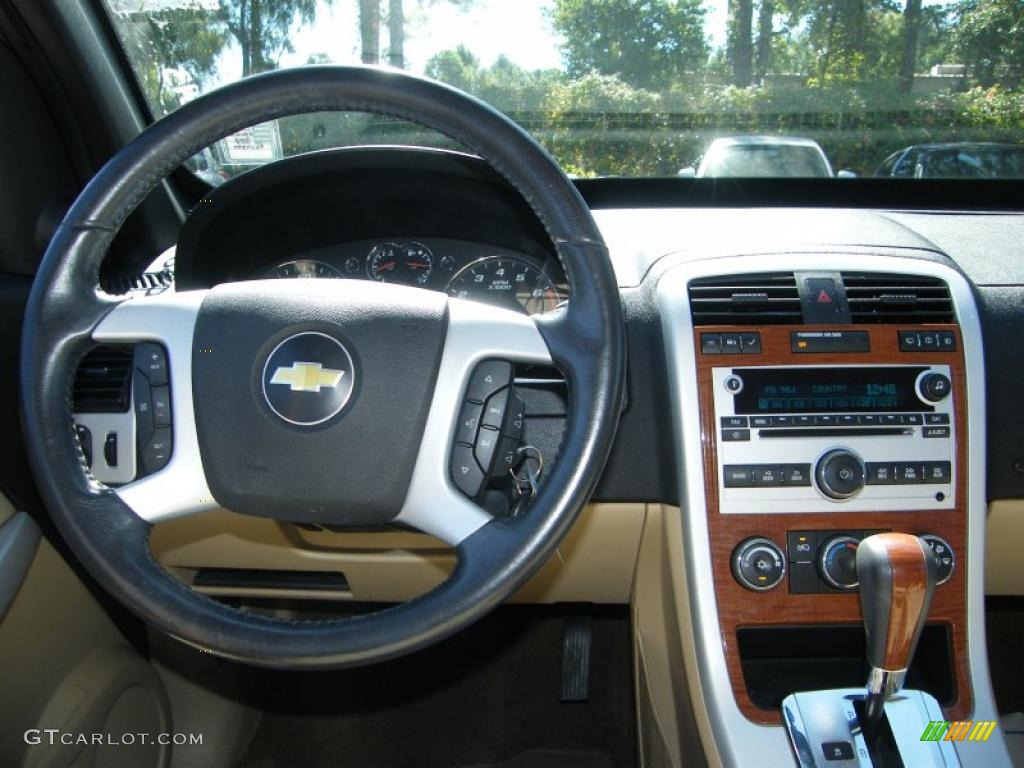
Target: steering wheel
[(371, 450)]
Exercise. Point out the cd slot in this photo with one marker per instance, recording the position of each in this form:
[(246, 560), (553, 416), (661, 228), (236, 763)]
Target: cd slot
[(838, 432)]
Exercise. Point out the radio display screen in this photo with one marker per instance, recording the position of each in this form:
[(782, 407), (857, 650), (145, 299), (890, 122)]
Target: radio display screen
[(828, 390)]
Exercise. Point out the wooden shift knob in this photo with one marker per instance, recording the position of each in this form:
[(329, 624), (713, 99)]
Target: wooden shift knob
[(897, 574)]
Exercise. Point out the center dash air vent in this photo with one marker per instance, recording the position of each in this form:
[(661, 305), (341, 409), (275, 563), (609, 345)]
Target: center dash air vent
[(103, 381), (768, 298), (876, 297)]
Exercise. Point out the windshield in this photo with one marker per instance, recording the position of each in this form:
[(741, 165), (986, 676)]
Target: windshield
[(900, 88)]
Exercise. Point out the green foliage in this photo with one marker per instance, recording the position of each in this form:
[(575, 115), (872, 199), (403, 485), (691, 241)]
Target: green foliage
[(645, 43), (261, 28), (989, 36)]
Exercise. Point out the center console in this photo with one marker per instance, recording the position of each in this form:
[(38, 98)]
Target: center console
[(828, 399)]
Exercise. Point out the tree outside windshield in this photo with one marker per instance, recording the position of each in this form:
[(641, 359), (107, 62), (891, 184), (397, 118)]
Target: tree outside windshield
[(902, 88)]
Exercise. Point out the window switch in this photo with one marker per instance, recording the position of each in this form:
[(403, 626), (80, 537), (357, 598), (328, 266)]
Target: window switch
[(110, 449)]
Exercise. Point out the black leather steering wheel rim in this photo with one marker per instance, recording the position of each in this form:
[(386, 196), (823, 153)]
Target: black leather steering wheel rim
[(586, 340)]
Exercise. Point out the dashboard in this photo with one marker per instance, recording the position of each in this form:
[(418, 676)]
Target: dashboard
[(434, 219)]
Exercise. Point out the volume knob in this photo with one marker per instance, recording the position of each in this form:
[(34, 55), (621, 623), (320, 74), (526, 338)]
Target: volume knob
[(935, 387), (840, 474)]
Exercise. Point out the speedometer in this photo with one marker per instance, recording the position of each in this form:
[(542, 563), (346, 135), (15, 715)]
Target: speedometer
[(302, 268), (507, 281)]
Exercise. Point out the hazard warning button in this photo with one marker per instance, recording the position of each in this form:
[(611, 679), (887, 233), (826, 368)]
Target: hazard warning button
[(822, 301)]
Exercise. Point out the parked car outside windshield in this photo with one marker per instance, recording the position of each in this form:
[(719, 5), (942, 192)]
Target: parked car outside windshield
[(633, 88)]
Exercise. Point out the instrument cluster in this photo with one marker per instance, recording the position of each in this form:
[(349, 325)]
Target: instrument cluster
[(464, 270)]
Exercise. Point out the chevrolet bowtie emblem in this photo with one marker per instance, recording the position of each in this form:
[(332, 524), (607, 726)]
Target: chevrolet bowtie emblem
[(307, 377)]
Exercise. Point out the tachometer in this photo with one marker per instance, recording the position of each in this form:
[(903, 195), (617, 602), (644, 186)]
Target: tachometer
[(409, 263), (302, 268), (506, 281)]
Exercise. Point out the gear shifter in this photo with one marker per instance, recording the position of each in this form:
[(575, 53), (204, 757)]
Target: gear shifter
[(897, 574)]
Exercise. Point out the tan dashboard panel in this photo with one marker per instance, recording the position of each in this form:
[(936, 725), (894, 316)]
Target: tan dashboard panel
[(1004, 541), (594, 564)]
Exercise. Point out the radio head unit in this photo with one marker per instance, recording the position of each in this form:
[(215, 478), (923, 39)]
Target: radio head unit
[(808, 438)]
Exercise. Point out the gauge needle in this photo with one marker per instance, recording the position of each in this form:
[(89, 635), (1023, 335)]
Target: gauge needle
[(387, 266), (417, 265)]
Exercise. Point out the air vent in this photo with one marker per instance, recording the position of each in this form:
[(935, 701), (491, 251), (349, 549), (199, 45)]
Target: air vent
[(103, 381), (876, 297), (769, 298)]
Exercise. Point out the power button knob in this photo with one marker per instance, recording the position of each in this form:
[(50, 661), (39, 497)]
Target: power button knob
[(840, 474)]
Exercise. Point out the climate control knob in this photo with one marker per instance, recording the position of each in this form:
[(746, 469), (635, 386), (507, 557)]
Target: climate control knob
[(944, 555), (837, 562), (758, 564), (934, 387), (840, 474)]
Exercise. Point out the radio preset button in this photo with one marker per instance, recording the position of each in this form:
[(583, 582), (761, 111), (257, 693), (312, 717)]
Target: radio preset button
[(840, 474), (767, 475), (796, 474), (782, 421), (881, 473), (803, 421), (825, 420), (869, 420), (738, 476), (847, 420)]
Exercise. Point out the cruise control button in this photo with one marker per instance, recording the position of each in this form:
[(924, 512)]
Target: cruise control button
[(488, 378), (469, 422), (157, 452), (711, 343), (935, 431), (485, 447), (767, 475), (881, 473), (937, 472), (466, 473), (161, 406), (142, 403), (735, 435), (494, 410), (796, 474), (152, 361), (506, 456), (738, 476)]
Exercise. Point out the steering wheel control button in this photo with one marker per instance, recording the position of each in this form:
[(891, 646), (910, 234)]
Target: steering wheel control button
[(758, 564), (157, 452), (308, 378), (466, 473), (516, 417), (934, 387), (151, 359), (840, 474), (838, 562), (944, 554), (110, 449), (486, 446), (161, 406), (506, 460), (469, 423), (738, 476), (488, 377), (494, 410)]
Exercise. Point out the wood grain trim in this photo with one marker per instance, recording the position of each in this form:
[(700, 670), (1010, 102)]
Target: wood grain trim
[(739, 607)]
